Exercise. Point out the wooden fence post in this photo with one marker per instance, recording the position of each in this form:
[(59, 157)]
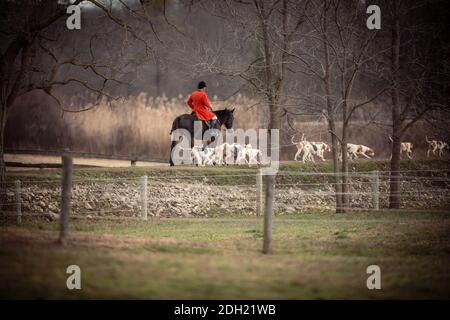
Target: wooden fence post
[(259, 192), (144, 180), (268, 211), (18, 202), (376, 190), (66, 195)]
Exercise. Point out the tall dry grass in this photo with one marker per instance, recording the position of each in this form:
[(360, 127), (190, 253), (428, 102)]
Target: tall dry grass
[(140, 125)]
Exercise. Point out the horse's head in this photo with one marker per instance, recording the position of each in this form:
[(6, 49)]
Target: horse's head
[(225, 117)]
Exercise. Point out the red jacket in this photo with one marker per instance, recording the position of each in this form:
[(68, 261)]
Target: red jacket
[(199, 103)]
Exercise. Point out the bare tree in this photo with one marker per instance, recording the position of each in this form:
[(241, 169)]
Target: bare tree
[(32, 58), (337, 56), (415, 78)]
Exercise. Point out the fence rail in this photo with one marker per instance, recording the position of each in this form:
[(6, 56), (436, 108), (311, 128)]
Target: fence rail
[(209, 194)]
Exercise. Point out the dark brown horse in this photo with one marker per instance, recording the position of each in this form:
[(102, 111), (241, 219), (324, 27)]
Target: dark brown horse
[(225, 118)]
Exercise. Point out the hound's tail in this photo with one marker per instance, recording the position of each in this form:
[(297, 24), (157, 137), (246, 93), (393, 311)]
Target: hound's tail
[(293, 142), (292, 139), (301, 139), (426, 139)]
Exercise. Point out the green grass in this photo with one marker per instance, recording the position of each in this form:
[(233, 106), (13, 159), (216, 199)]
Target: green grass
[(315, 256)]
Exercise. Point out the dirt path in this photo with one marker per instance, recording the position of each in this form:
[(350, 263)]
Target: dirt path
[(43, 159)]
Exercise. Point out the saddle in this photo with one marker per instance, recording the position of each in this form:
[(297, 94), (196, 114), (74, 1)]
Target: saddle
[(209, 123), (194, 116)]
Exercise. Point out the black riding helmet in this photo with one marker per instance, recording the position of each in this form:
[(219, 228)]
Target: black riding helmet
[(201, 85)]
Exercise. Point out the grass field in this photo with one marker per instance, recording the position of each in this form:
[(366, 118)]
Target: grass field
[(316, 256)]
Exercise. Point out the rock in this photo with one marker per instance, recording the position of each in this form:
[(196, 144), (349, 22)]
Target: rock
[(51, 216)]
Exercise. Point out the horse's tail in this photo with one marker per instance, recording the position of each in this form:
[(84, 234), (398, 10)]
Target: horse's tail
[(175, 124)]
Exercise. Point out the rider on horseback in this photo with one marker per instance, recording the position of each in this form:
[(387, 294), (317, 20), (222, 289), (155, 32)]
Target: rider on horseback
[(199, 103)]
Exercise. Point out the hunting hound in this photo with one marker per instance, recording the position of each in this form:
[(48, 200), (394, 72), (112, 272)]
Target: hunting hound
[(304, 147), (405, 147), (320, 148), (253, 155), (355, 150), (200, 155), (247, 154), (240, 152), (310, 149), (436, 145), (217, 155)]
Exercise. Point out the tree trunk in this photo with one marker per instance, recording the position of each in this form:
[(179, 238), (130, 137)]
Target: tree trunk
[(394, 190), (332, 123), (274, 123), (394, 196), (2, 157), (345, 186), (335, 152)]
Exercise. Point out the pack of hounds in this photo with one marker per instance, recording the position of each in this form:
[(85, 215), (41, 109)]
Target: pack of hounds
[(225, 154), (245, 154), (307, 150)]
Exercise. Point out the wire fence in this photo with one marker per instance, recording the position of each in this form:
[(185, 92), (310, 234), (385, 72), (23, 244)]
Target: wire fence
[(221, 194)]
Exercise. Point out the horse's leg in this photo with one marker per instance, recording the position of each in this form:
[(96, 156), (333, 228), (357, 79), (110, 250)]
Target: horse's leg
[(172, 145)]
